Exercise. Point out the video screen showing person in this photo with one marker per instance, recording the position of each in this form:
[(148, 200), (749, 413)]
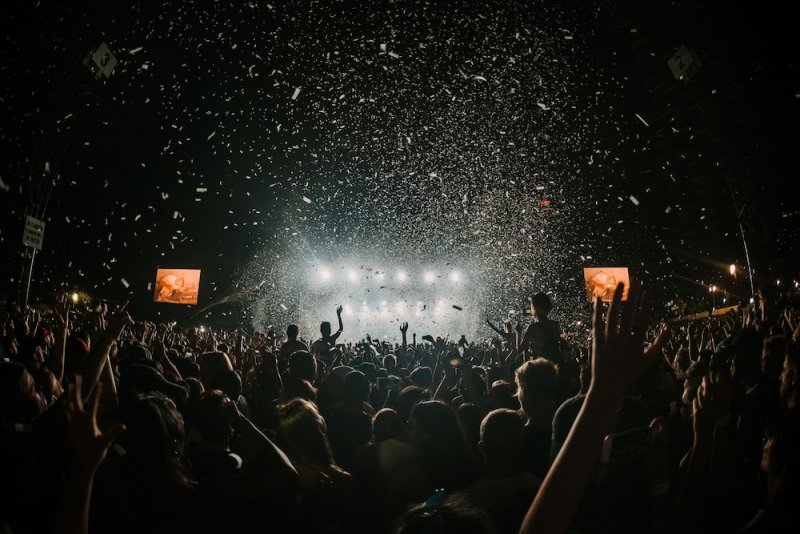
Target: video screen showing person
[(602, 281), (177, 286)]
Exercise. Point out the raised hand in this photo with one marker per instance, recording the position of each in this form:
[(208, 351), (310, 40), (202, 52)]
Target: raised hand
[(711, 404), (61, 310), (618, 352), (118, 320), (404, 328), (339, 309), (89, 443)]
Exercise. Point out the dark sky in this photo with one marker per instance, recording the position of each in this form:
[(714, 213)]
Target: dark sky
[(421, 129)]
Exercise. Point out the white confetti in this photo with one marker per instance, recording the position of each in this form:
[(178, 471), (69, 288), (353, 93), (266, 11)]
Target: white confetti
[(641, 119), (296, 93), (125, 283), (307, 200), (634, 200)]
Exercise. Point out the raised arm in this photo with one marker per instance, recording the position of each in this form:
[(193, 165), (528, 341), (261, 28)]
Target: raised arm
[(618, 357), (338, 333), (404, 332), (493, 327), (61, 312), (93, 364), (90, 446)]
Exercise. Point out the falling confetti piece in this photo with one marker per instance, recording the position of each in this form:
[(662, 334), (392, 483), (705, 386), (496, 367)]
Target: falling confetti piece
[(634, 200), (641, 119), (307, 200), (296, 93), (124, 283)]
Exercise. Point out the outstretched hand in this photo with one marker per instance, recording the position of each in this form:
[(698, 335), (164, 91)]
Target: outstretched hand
[(118, 321), (712, 404), (61, 311), (404, 328), (618, 351), (339, 309), (89, 443)]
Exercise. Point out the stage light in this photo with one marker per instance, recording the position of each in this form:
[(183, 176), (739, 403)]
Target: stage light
[(733, 269), (74, 298), (402, 276), (352, 276), (325, 273), (347, 310), (400, 306), (455, 276), (430, 277), (202, 329)]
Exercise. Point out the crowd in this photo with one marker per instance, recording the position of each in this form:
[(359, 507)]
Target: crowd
[(108, 424)]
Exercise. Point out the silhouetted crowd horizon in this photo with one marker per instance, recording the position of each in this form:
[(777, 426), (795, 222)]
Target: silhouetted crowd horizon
[(110, 423)]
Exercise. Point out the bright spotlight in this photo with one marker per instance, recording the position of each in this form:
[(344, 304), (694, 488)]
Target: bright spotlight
[(455, 276), (325, 273), (400, 306), (402, 276), (74, 298), (733, 268), (348, 311), (430, 277), (352, 276)]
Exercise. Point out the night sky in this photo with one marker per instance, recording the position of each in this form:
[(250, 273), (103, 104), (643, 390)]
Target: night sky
[(515, 141)]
